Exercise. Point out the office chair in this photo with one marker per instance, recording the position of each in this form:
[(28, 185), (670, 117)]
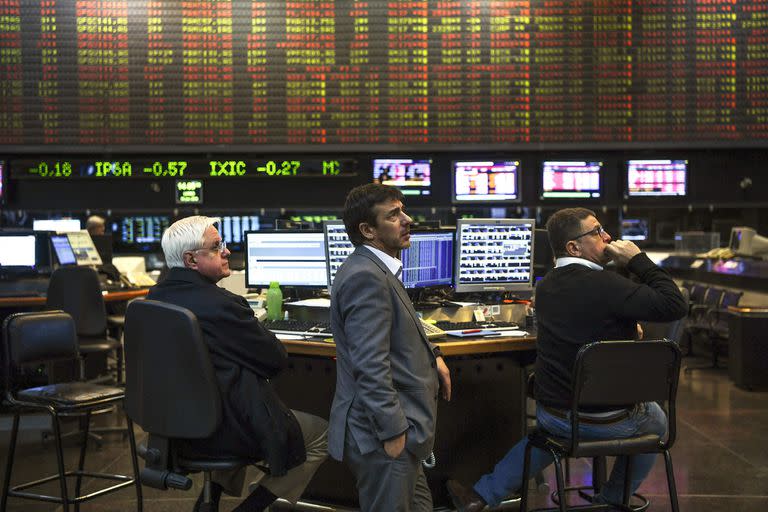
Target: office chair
[(611, 374), (31, 338), (172, 393), (715, 328), (698, 315)]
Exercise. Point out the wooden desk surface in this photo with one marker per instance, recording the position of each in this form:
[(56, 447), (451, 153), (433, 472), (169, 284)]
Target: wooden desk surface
[(40, 301), (460, 347)]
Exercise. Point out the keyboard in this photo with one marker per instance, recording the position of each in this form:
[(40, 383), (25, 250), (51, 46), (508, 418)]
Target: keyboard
[(304, 328), (488, 325), (431, 330)]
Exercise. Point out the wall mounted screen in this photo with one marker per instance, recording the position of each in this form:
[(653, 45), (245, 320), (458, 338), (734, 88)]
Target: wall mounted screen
[(657, 178), (292, 258), (429, 260), (494, 254), (412, 176), (232, 227), (570, 180), (140, 232), (486, 181)]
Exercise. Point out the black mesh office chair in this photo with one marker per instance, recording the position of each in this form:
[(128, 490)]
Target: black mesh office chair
[(714, 326), (171, 392), (32, 338), (609, 374)]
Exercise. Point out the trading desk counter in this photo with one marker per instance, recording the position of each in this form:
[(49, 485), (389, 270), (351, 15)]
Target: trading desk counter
[(484, 418), (39, 300)]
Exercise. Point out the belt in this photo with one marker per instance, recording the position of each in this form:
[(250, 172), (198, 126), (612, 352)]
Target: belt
[(595, 420)]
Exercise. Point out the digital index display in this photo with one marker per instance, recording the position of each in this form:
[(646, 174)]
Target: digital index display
[(657, 178), (412, 176), (570, 180), (189, 192), (486, 181)]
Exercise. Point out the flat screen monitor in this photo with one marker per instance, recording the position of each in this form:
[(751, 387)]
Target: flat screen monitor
[(486, 181), (337, 247), (634, 229), (292, 258), (103, 244), (58, 225), (82, 246), (232, 227), (18, 252), (63, 250), (494, 255), (411, 175), (657, 178), (570, 179), (140, 232), (428, 262)]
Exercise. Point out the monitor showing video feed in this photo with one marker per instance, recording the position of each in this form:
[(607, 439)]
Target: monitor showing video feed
[(657, 178), (337, 247), (634, 229), (428, 262), (58, 225), (486, 181), (412, 176), (292, 258), (494, 254), (570, 179)]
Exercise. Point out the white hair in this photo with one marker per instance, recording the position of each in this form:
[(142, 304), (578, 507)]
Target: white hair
[(184, 235)]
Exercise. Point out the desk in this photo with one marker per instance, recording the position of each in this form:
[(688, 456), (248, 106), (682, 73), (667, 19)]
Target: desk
[(747, 347), (484, 419), (22, 301)]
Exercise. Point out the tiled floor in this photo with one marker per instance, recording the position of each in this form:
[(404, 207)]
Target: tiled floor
[(721, 458)]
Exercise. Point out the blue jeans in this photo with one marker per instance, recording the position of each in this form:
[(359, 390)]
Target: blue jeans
[(507, 476)]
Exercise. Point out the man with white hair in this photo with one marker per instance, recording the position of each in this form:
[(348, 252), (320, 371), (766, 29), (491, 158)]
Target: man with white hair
[(245, 355)]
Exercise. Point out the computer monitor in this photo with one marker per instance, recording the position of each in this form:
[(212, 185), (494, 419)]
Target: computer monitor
[(337, 247), (412, 176), (634, 229), (657, 178), (428, 262), (58, 225), (103, 244), (82, 246), (292, 258), (494, 254), (486, 181), (746, 242), (570, 179), (18, 253), (63, 250), (140, 232), (232, 227)]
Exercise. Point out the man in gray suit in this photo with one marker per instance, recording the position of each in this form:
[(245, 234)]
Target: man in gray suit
[(383, 415)]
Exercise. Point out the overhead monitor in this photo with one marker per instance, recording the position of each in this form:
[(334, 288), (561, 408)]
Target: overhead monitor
[(17, 252), (232, 227), (634, 229), (292, 258), (570, 179), (494, 254), (746, 242), (58, 225), (657, 178), (486, 181), (83, 247), (140, 232), (63, 250), (428, 261), (337, 247), (411, 175), (189, 191)]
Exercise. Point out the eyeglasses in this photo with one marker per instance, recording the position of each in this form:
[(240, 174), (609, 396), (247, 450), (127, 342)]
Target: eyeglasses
[(220, 247), (597, 230)]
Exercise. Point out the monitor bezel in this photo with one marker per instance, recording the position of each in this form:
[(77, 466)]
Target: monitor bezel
[(453, 263), (279, 231), (518, 183), (506, 287), (657, 197), (405, 188), (601, 179)]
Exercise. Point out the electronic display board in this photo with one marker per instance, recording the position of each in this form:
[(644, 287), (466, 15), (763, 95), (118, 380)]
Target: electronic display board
[(506, 73)]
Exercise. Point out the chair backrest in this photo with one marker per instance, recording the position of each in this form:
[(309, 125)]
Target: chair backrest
[(30, 338), (671, 331), (730, 298), (170, 385), (697, 293), (77, 291), (615, 373), (713, 296)]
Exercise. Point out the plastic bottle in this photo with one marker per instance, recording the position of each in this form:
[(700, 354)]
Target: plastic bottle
[(274, 301)]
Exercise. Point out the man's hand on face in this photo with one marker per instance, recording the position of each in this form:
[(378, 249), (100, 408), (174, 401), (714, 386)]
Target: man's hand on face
[(621, 251)]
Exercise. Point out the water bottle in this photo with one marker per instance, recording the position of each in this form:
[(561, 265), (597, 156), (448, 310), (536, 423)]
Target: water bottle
[(274, 301)]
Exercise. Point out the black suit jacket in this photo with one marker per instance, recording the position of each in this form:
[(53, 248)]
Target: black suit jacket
[(255, 423)]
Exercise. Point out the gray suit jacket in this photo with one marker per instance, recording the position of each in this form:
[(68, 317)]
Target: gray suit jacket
[(386, 381)]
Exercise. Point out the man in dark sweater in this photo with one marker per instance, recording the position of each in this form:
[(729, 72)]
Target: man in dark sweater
[(578, 303)]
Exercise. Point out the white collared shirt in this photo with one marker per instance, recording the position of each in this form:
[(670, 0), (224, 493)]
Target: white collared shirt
[(393, 264), (568, 260)]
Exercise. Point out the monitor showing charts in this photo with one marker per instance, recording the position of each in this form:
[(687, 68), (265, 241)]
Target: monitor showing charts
[(486, 181), (494, 254), (337, 247), (657, 178), (63, 250), (17, 251), (429, 260), (140, 232), (83, 248), (292, 258), (58, 225), (570, 179), (411, 175), (232, 227)]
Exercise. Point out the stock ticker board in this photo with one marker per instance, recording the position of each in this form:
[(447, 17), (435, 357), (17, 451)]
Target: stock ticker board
[(485, 73)]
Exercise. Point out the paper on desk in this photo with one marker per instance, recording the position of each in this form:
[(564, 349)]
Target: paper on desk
[(312, 303)]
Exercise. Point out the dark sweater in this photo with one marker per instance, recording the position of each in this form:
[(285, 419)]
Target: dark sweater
[(576, 305)]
